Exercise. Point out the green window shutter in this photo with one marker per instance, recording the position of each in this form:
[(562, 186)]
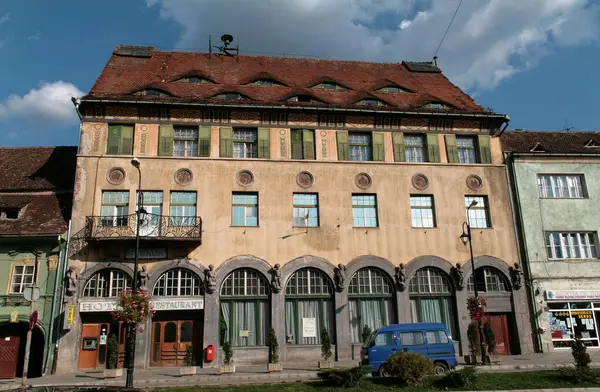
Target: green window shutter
[(126, 140), (342, 145), (165, 140), (398, 142), (204, 142), (297, 147), (264, 143), (226, 142), (114, 140), (378, 147), (433, 148), (485, 153), (308, 140), (451, 149)]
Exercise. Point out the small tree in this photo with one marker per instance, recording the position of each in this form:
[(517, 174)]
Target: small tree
[(490, 338), (325, 345), (273, 346), (473, 338), (113, 352), (366, 333), (189, 360), (228, 360), (580, 355)]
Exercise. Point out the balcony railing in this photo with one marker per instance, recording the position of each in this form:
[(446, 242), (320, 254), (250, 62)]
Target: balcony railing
[(152, 226)]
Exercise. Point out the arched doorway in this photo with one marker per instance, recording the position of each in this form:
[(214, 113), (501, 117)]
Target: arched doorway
[(499, 310), (432, 299), (177, 298), (97, 325), (370, 301), (13, 338), (245, 311)]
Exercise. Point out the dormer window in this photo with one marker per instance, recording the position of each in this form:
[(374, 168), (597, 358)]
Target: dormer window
[(195, 79), (230, 96), (152, 92), (392, 90), (266, 82), (303, 98), (436, 105), (592, 143), (370, 102), (9, 213), (330, 86)]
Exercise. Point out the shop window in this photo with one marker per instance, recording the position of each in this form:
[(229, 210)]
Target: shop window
[(107, 283), (569, 320)]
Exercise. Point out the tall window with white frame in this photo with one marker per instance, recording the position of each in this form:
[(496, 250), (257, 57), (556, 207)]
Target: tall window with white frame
[(183, 209), (115, 208), (245, 143), (22, 276), (244, 209), (106, 283), (306, 209), (466, 147), (415, 148), (370, 301), (571, 245), (360, 146), (309, 307), (422, 211), (364, 210), (153, 201), (245, 312), (178, 282), (561, 186), (479, 215), (185, 141)]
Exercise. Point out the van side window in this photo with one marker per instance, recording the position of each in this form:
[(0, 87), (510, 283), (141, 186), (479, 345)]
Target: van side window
[(384, 339), (412, 338), (437, 337)]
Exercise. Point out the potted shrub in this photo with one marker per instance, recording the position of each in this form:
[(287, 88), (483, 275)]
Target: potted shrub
[(189, 362), (473, 339), (274, 364), (366, 334), (228, 365), (490, 342), (326, 353), (111, 370)]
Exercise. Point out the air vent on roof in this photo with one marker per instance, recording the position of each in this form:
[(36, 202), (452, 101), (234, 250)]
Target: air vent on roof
[(133, 50), (592, 143), (538, 148), (421, 67)]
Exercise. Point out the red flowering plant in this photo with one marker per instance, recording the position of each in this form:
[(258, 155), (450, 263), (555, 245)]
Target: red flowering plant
[(133, 307), (476, 307)]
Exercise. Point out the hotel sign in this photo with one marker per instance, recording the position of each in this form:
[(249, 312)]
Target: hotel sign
[(157, 305), (564, 295)]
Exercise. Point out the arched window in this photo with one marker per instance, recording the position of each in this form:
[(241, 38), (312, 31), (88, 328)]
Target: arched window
[(178, 283), (107, 283), (489, 279), (371, 301), (245, 315), (431, 298), (308, 307)]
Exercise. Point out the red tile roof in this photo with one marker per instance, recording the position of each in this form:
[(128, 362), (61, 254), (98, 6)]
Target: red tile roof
[(131, 69), (40, 214), (565, 142)]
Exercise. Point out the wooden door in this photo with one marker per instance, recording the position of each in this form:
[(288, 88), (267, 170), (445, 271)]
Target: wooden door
[(122, 338), (170, 340), (9, 356), (499, 324), (88, 351)]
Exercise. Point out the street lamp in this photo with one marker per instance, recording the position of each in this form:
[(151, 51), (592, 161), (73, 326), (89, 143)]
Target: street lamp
[(140, 215), (466, 237)]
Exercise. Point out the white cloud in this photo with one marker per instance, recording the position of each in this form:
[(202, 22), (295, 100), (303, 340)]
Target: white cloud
[(5, 17), (35, 37), (489, 41), (49, 104)]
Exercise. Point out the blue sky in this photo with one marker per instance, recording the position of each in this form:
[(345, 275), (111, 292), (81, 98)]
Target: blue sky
[(537, 64)]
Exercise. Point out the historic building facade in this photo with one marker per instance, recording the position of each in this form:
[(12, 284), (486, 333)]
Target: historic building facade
[(555, 177), (36, 188), (295, 193)]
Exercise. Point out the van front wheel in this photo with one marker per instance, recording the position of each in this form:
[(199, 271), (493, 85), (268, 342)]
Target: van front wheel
[(440, 368)]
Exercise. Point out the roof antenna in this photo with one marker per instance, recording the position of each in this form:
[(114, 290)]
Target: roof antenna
[(435, 61), (226, 49)]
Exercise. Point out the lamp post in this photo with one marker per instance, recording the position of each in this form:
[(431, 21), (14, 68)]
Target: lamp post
[(139, 214), (467, 238)]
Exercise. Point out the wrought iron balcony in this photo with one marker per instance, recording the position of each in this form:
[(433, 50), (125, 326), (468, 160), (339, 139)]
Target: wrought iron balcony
[(152, 227)]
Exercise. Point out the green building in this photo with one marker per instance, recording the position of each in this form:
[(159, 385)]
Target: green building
[(36, 191)]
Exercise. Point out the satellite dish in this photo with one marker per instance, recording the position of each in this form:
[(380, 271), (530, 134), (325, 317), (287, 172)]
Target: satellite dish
[(227, 38)]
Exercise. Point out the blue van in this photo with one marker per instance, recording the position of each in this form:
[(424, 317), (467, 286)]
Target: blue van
[(432, 340)]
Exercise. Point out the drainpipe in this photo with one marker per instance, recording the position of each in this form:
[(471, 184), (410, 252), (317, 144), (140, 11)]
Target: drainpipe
[(53, 309), (522, 246)]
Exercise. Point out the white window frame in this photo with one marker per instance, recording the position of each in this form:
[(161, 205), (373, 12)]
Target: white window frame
[(22, 284), (114, 277), (188, 137), (414, 152), (474, 213), (175, 283), (587, 244), (419, 221), (245, 143), (365, 220), (109, 210), (562, 186)]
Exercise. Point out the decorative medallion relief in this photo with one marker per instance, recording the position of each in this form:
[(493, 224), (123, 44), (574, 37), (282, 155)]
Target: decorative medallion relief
[(244, 178), (183, 176), (116, 176), (363, 180), (420, 181), (305, 179), (474, 182)]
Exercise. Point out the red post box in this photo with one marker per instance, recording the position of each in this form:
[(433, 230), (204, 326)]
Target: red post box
[(210, 353)]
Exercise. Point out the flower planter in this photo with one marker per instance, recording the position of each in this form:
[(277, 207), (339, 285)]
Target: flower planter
[(325, 365), (113, 373), (227, 369), (187, 370), (274, 367)]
